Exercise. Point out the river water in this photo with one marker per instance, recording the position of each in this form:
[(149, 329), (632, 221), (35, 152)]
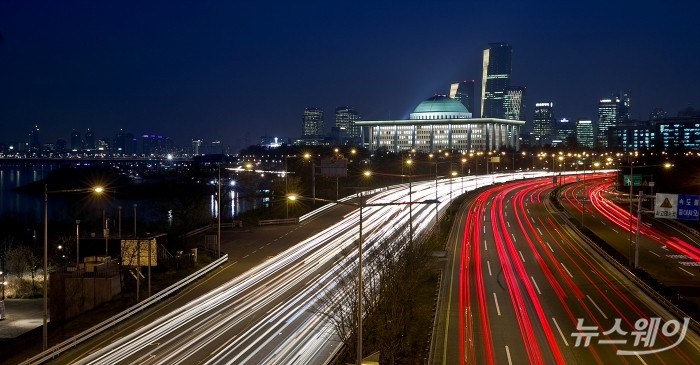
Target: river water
[(28, 209)]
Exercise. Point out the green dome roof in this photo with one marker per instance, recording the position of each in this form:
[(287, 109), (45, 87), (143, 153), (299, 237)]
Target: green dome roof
[(440, 104)]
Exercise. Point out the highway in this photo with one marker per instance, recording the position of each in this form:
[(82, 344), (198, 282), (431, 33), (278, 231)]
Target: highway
[(523, 287), (272, 313)]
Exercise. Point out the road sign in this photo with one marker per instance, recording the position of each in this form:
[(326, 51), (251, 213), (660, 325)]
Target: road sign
[(636, 180), (666, 206), (688, 207), (677, 206)]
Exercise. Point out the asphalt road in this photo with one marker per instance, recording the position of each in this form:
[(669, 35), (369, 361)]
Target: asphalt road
[(520, 280)]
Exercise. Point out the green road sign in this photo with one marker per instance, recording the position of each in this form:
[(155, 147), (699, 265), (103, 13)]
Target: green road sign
[(636, 180)]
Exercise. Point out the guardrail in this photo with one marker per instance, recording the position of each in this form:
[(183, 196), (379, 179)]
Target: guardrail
[(666, 303), (269, 222), (126, 314)]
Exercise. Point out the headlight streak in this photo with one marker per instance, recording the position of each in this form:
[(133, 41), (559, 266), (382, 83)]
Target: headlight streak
[(242, 298)]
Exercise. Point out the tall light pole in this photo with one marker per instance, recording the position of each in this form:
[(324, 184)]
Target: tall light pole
[(77, 244), (120, 221), (97, 190), (464, 160), (409, 162), (218, 213), (360, 290)]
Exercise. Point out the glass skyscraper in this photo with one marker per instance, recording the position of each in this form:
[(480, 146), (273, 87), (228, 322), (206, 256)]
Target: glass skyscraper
[(495, 79), (464, 92)]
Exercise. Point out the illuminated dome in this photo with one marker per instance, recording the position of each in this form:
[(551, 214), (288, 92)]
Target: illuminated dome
[(440, 107)]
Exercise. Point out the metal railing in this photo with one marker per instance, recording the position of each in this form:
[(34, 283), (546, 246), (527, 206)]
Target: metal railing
[(56, 350)]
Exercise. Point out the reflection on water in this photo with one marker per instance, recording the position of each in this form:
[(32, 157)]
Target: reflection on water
[(29, 208)]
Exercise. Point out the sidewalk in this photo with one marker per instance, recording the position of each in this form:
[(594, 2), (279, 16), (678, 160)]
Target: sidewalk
[(21, 315)]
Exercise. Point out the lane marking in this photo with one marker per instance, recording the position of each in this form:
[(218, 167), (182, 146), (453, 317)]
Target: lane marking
[(640, 359), (550, 247), (567, 270), (488, 264), (560, 332), (596, 306), (512, 235), (687, 271), (538, 230), (655, 253), (508, 223), (495, 299), (486, 248), (533, 220), (510, 362), (521, 256), (537, 287), (484, 229), (614, 230)]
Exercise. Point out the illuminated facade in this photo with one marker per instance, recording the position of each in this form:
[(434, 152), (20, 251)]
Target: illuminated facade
[(585, 134), (312, 124), (679, 132), (543, 124), (345, 120), (495, 79), (514, 103), (608, 117), (464, 92), (444, 123)]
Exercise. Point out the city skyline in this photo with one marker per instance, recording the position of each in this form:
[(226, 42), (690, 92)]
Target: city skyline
[(240, 71)]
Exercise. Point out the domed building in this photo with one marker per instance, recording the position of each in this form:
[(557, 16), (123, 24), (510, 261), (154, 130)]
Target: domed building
[(441, 123)]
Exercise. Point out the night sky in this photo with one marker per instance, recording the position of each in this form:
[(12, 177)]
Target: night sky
[(224, 70)]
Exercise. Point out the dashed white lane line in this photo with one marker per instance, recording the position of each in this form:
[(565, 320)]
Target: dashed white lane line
[(691, 274), (550, 247), (488, 264), (567, 270), (657, 255), (537, 287), (486, 248), (596, 306), (560, 332), (510, 362), (538, 230), (495, 299), (521, 256)]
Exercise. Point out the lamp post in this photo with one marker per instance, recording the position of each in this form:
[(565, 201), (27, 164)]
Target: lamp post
[(77, 244), (409, 162), (97, 190), (2, 302), (635, 262), (360, 290), (464, 160)]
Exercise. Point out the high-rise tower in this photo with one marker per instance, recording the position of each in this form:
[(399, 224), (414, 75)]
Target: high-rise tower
[(312, 124), (345, 118), (608, 117), (543, 123), (495, 79), (464, 92), (514, 103)]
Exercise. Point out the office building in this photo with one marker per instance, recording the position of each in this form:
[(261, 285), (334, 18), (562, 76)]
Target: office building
[(34, 143), (608, 118), (345, 121), (464, 92), (564, 129), (634, 135), (682, 131), (495, 79), (442, 123), (312, 124), (514, 103), (657, 113), (585, 134), (543, 124)]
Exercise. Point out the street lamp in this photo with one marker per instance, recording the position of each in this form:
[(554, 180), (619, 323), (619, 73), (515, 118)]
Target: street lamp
[(635, 263), (360, 291), (2, 302), (96, 190), (77, 244)]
